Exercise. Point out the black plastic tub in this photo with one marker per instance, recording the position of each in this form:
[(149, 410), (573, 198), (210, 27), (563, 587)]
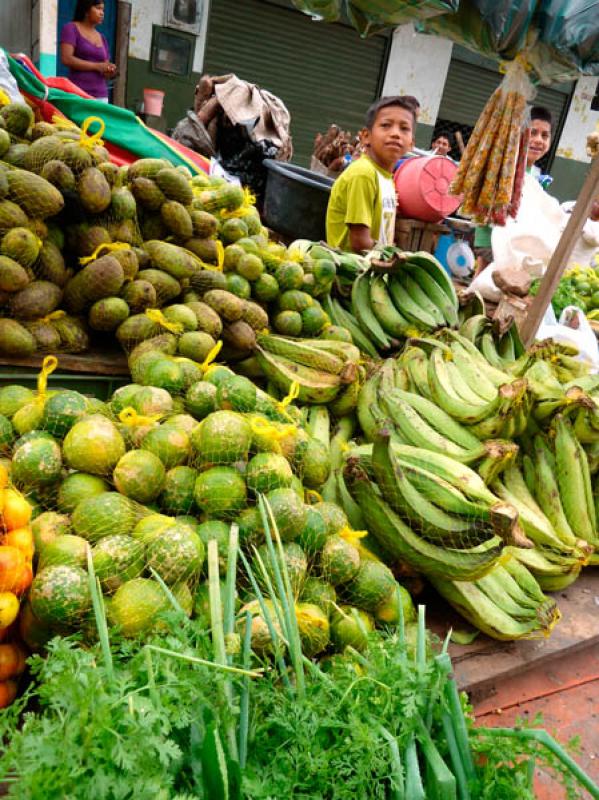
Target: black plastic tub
[(295, 202)]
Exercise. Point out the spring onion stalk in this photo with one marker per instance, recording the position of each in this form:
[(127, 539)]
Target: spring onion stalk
[(397, 786), (440, 781), (230, 583), (273, 597), (454, 755), (218, 637), (244, 701), (414, 787), (269, 623), (169, 595), (421, 640), (204, 662), (452, 698), (545, 739), (99, 614), (287, 598)]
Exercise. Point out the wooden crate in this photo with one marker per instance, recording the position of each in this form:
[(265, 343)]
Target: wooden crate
[(413, 234)]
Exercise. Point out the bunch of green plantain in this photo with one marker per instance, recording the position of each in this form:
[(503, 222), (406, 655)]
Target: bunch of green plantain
[(413, 296), (321, 371)]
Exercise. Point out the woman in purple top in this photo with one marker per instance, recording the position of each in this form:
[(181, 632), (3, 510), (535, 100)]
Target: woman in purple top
[(84, 50)]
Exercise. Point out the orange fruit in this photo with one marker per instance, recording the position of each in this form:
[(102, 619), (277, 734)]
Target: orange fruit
[(17, 511), (3, 477), (22, 538), (9, 609), (12, 562), (12, 661), (24, 579), (8, 692)]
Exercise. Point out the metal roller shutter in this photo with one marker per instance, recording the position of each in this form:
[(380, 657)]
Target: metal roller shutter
[(323, 73)]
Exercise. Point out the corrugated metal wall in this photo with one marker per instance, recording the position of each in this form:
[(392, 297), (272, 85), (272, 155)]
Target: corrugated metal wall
[(323, 73), (15, 26)]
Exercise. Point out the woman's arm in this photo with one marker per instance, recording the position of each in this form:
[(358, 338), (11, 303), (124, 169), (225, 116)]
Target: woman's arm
[(70, 60)]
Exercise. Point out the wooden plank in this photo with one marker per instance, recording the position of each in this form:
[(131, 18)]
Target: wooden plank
[(93, 362), (121, 54), (561, 255), (485, 664)]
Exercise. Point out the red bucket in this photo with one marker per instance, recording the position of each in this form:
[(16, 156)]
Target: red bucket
[(422, 186)]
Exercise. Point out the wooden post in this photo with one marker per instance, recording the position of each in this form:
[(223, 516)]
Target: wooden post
[(561, 254), (121, 54)]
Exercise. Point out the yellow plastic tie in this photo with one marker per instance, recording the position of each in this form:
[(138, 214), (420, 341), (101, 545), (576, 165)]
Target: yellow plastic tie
[(94, 139), (344, 447), (293, 393), (65, 124), (249, 198), (110, 246), (49, 364), (129, 416), (207, 362), (156, 315), (351, 536), (307, 619), (312, 496), (4, 98), (220, 255), (264, 428), (59, 314)]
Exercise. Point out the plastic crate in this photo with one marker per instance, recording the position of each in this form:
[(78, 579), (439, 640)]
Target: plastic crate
[(100, 386)]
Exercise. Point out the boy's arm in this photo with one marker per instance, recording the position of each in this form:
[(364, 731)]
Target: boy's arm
[(360, 238), (359, 214)]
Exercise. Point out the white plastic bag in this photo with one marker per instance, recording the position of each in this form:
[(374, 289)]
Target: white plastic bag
[(572, 328), (7, 83)]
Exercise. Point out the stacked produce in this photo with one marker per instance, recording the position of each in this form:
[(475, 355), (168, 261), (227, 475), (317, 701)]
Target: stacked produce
[(399, 295), (16, 573), (88, 246), (579, 287)]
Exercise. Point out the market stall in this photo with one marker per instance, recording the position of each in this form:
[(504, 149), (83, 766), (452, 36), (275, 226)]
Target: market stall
[(226, 552)]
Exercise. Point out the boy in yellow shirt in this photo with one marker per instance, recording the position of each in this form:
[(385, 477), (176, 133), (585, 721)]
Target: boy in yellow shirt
[(361, 210)]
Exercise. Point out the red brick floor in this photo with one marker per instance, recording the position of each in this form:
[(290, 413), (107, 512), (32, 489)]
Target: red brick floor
[(566, 693)]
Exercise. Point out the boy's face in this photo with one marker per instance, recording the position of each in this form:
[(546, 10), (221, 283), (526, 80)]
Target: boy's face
[(441, 145), (390, 137), (540, 140)]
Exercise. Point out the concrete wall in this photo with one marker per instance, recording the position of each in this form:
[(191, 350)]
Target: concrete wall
[(571, 163), (410, 71)]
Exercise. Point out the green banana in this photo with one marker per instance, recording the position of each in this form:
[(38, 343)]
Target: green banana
[(462, 387), (436, 417), (547, 491), (405, 499), (339, 443), (500, 455), (474, 327), (429, 263), (434, 291), (572, 479), (343, 350), (386, 312), (415, 362), (363, 312), (301, 352), (557, 583), (496, 375), (369, 414), (475, 606), (514, 482), (536, 527), (444, 395), (420, 297), (521, 591), (395, 537), (473, 377), (409, 309), (314, 386), (505, 348), (346, 401), (494, 588), (419, 433), (489, 350), (319, 425), (348, 321), (521, 574)]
